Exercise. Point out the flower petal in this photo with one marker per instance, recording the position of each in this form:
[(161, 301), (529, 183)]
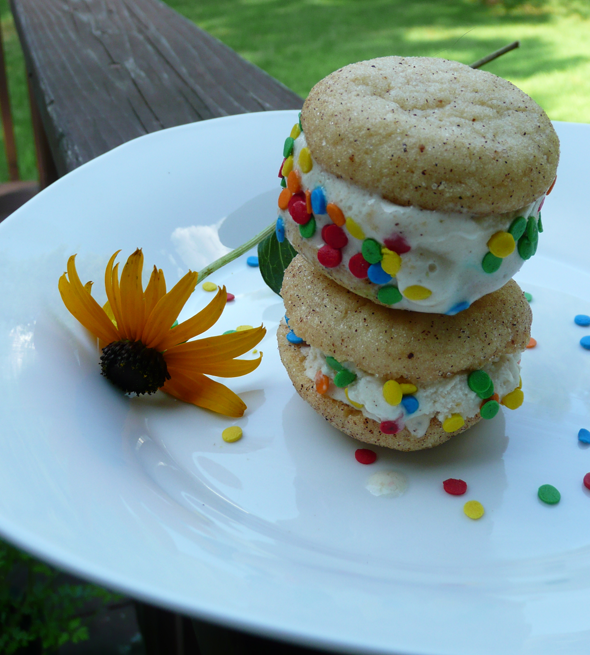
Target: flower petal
[(113, 299), (214, 349), (231, 368), (132, 295), (84, 308), (198, 324), (167, 310), (203, 392), (155, 290)]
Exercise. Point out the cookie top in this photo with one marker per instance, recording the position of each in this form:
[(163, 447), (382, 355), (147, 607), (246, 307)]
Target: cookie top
[(402, 344), (432, 133)]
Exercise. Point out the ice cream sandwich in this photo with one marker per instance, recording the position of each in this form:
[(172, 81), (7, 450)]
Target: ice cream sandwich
[(416, 182), (401, 379)]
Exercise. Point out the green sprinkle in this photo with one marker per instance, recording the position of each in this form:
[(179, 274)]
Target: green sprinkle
[(540, 223), (549, 494), (532, 231), (489, 409), (479, 381), (389, 295), (371, 250), (490, 263), (343, 378), (300, 126), (283, 182), (517, 227), (308, 230), (487, 393), (174, 324), (528, 296), (525, 248), (334, 364), (288, 147), (229, 332)]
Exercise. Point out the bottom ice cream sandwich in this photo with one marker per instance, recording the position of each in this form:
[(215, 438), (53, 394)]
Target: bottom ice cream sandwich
[(400, 379)]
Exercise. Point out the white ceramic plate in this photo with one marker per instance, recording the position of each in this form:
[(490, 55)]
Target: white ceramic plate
[(278, 533)]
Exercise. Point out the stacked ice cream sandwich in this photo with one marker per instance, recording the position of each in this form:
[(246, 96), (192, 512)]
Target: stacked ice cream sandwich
[(412, 192)]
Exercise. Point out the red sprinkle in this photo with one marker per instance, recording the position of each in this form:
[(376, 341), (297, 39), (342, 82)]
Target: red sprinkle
[(587, 480), (398, 244), (329, 257), (365, 456), (281, 168), (334, 236), (359, 266), (298, 209), (455, 487), (391, 427), (230, 297)]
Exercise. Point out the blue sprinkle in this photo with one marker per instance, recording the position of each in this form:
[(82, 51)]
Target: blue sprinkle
[(377, 275), (459, 307), (318, 201), (582, 319), (252, 261), (585, 342), (286, 319), (410, 404), (280, 230), (584, 436), (293, 338)]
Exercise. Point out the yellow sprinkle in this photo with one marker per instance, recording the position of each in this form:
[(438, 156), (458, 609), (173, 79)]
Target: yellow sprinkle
[(354, 229), (473, 509), (305, 163), (357, 405), (209, 286), (502, 244), (392, 392), (416, 292), (287, 166), (408, 388), (241, 328), (391, 262), (453, 422), (232, 434), (514, 399), (519, 383), (254, 351), (296, 131)]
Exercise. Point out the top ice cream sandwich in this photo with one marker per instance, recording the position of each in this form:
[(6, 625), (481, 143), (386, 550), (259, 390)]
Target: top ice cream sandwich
[(417, 182)]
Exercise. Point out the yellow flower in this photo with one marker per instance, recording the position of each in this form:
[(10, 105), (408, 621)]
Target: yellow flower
[(142, 353)]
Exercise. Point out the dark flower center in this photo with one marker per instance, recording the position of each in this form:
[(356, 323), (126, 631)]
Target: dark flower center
[(134, 368)]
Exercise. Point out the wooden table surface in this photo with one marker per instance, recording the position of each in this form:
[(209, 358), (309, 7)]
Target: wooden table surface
[(103, 72)]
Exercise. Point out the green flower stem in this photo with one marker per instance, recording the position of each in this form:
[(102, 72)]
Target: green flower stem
[(226, 259)]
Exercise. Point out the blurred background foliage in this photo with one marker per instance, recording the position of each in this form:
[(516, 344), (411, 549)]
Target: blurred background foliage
[(301, 41)]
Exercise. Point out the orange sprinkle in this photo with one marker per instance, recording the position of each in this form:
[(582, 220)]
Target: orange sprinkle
[(294, 182), (532, 343), (335, 213), (308, 201), (552, 185), (284, 198), (322, 382)]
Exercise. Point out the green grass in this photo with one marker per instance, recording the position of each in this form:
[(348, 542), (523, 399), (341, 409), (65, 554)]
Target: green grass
[(301, 41)]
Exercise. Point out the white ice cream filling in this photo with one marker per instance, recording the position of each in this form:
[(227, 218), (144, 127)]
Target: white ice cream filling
[(447, 248), (438, 399)]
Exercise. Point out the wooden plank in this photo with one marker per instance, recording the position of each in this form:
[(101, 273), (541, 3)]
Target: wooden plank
[(106, 71)]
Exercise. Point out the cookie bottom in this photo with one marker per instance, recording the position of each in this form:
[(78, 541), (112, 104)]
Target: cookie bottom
[(351, 421)]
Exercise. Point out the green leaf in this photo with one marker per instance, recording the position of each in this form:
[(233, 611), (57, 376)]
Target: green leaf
[(273, 259)]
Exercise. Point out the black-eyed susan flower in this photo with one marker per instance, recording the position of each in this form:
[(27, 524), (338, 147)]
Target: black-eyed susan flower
[(142, 353)]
